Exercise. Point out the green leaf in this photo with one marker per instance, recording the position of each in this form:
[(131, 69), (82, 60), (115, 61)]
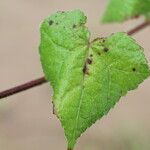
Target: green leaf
[(148, 16), (87, 78), (120, 10)]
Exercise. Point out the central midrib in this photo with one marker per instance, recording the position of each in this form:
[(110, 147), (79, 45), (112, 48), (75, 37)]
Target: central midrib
[(82, 90)]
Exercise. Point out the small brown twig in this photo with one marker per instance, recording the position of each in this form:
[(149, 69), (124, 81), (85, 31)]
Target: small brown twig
[(22, 87), (138, 28), (42, 80)]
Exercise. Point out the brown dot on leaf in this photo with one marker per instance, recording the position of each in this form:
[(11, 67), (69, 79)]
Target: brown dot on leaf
[(51, 22), (106, 49), (133, 69), (85, 70), (89, 61)]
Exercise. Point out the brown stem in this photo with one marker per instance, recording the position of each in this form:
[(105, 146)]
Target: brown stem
[(22, 87), (138, 28), (42, 80)]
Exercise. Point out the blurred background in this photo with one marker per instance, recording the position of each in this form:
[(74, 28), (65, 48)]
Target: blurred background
[(26, 119)]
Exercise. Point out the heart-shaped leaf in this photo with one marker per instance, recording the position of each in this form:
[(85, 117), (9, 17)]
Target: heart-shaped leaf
[(88, 79), (120, 10)]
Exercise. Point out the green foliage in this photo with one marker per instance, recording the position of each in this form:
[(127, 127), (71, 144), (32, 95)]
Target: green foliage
[(88, 79), (120, 10), (148, 16)]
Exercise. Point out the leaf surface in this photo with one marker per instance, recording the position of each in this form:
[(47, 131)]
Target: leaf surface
[(88, 79), (120, 10)]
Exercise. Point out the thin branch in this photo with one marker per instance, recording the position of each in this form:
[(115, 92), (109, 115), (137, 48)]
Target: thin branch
[(42, 80), (138, 28), (22, 87)]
